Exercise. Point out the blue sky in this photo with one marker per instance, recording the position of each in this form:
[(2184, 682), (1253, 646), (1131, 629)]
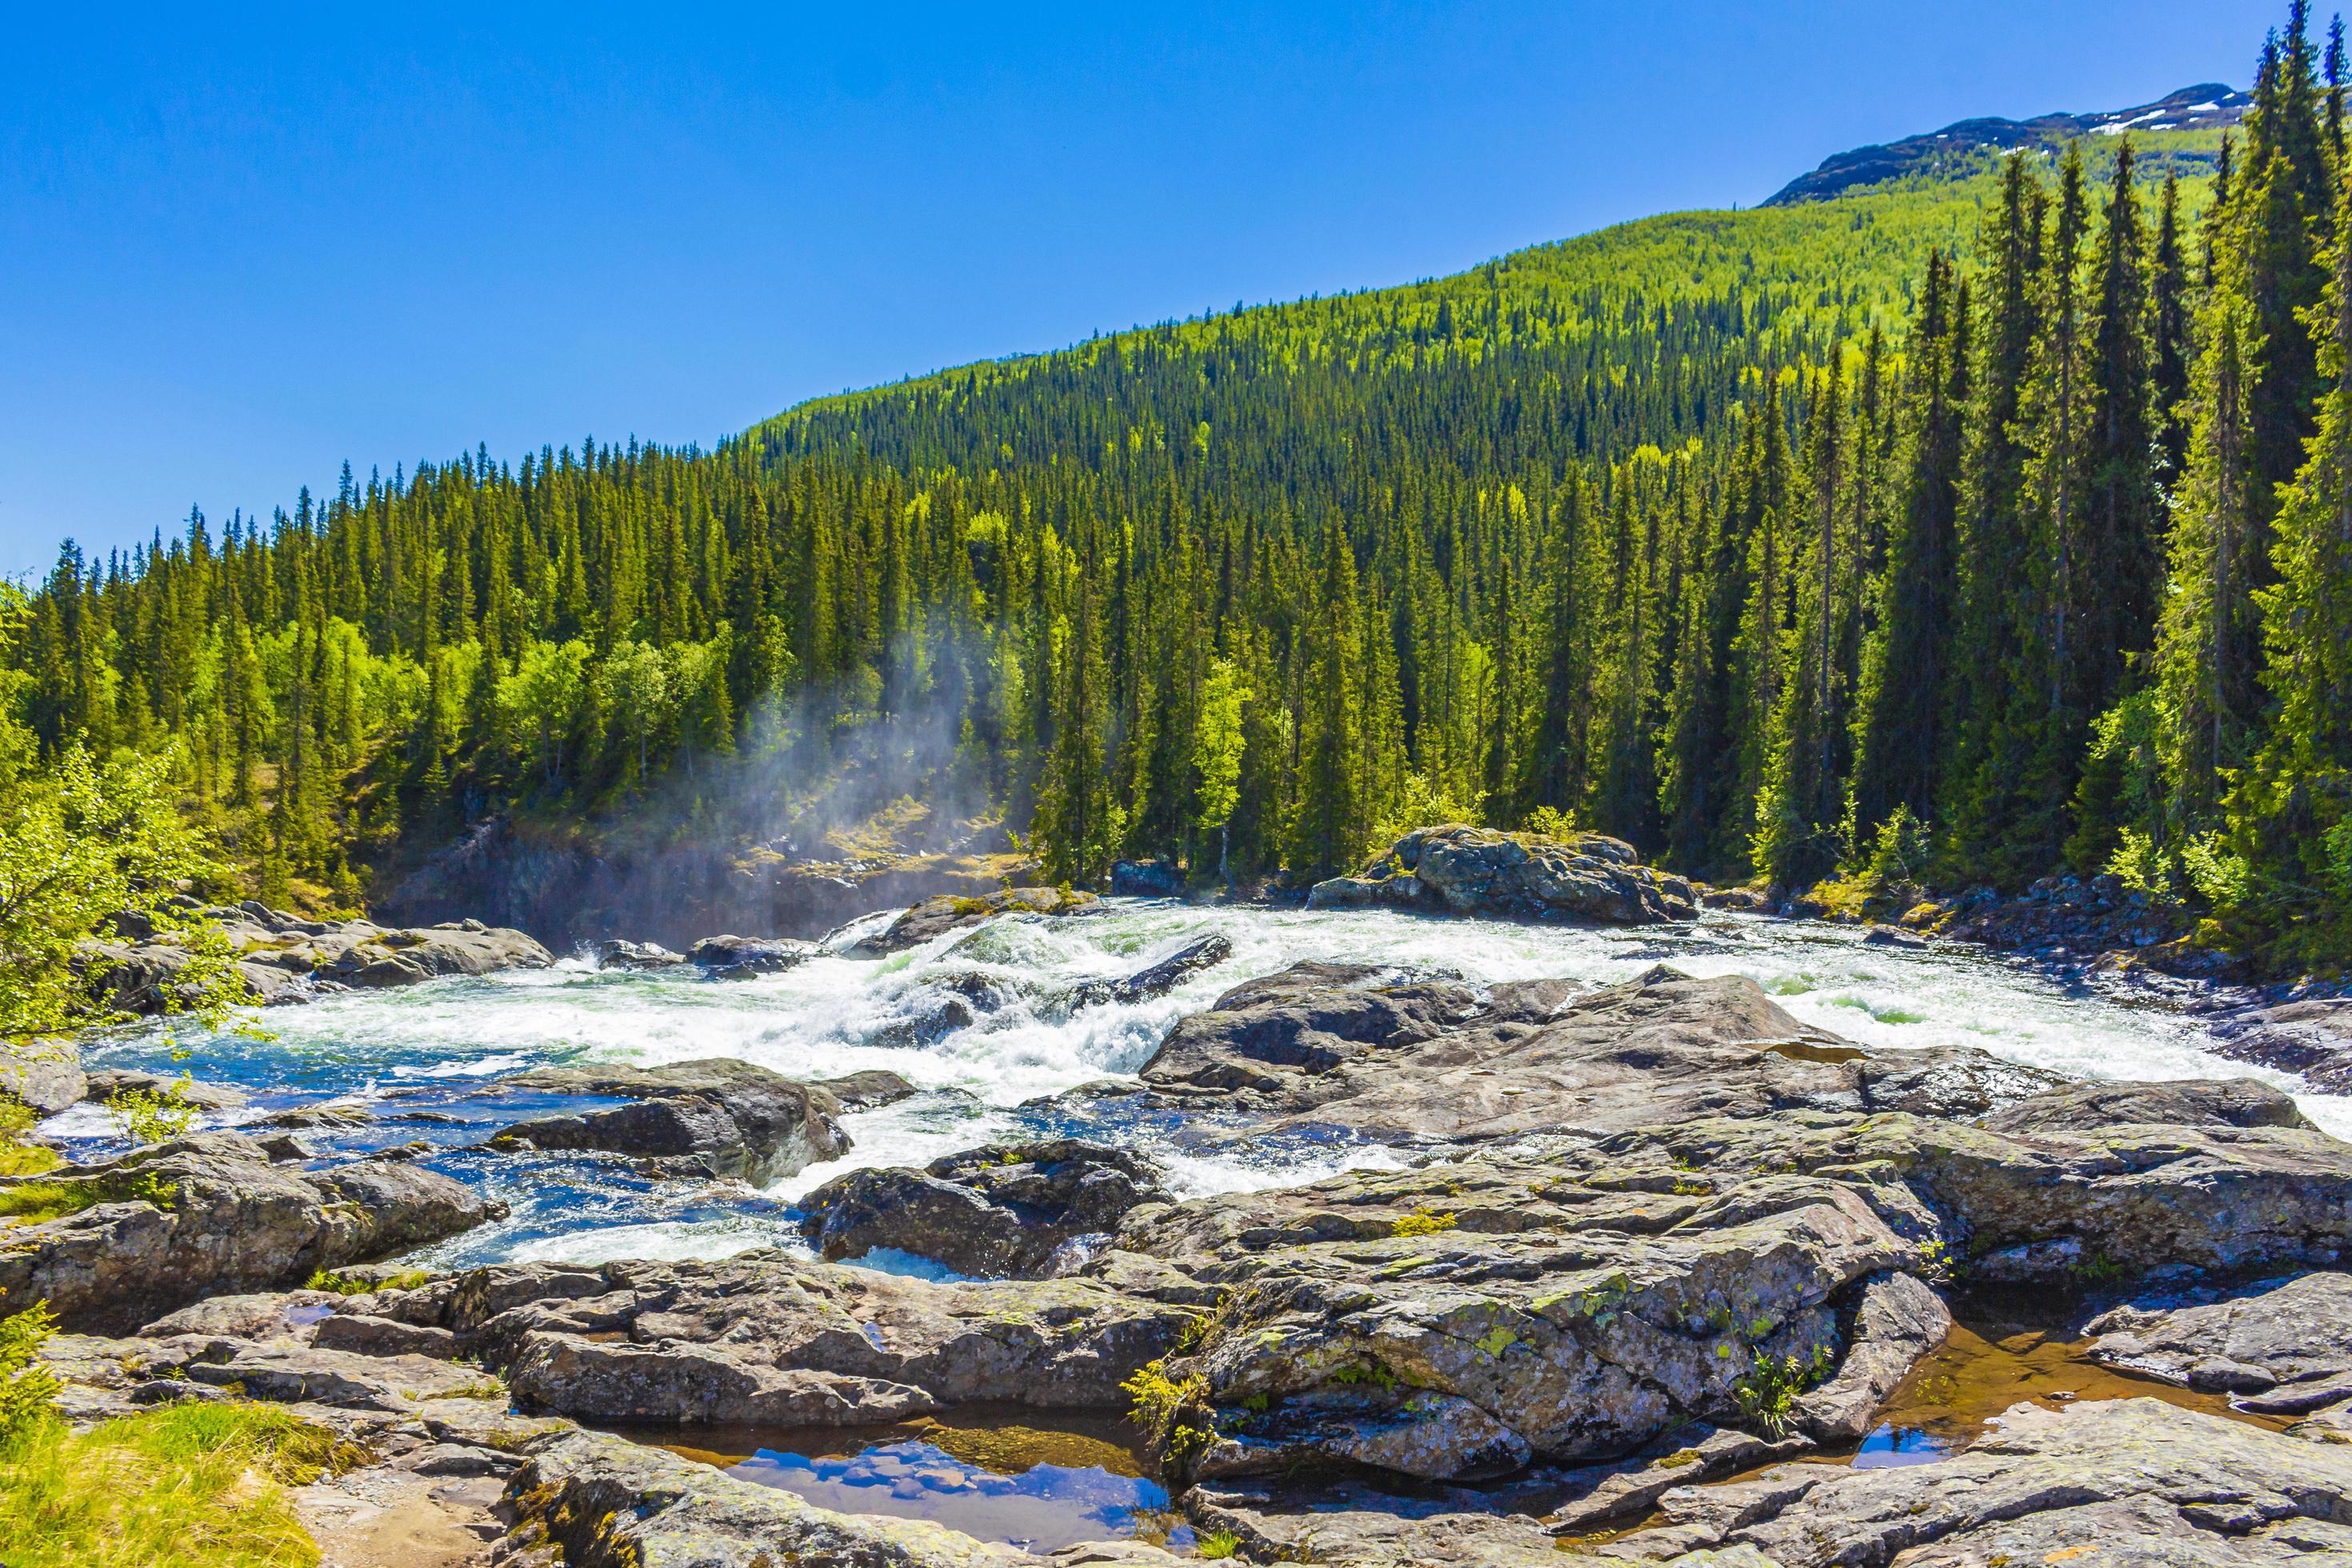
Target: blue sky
[(235, 250)]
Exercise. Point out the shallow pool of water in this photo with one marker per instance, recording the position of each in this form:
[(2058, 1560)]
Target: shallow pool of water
[(429, 1061), (995, 1475)]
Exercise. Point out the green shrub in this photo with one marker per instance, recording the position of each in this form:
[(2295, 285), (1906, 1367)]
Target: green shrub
[(153, 1118), (27, 1388), (1422, 1222), (1220, 1543), (1768, 1392)]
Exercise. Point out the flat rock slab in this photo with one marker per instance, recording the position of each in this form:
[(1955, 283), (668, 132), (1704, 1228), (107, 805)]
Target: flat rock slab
[(2284, 1348), (2133, 1481), (1350, 1047)]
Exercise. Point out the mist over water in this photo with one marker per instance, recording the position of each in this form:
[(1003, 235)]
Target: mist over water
[(429, 1060)]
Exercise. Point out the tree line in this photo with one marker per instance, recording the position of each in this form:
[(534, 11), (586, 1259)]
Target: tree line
[(1986, 528)]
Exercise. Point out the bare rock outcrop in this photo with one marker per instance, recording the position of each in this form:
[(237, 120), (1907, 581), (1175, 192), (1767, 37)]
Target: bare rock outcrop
[(1462, 870), (935, 916), (134, 1238)]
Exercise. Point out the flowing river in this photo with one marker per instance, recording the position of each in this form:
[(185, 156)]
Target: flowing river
[(425, 1063)]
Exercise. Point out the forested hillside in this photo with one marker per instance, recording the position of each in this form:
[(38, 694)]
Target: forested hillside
[(1981, 527)]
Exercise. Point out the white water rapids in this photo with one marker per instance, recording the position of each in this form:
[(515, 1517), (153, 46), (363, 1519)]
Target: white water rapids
[(426, 1059)]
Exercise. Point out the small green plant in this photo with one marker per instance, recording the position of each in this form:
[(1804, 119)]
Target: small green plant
[(27, 1388), (337, 1284), (1422, 1222), (1768, 1391), (152, 1117), (1939, 1264), (18, 1157), (1220, 1543), (1551, 822), (1158, 1404)]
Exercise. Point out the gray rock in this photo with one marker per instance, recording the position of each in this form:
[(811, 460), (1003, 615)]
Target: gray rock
[(1896, 1322), (43, 1074), (1704, 1453), (1352, 1524), (763, 1337), (282, 957), (2127, 1481), (2311, 1037), (1002, 1210), (742, 957), (1462, 871), (1332, 1045), (364, 1335), (618, 954), (2285, 1347), (1161, 977), (2186, 1102), (937, 916), (262, 1316), (720, 1117), (208, 1214), (105, 1084)]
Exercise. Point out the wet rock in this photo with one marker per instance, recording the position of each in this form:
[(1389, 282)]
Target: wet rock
[(2134, 1481), (867, 1089), (44, 1076), (2285, 1347), (1892, 936), (1331, 1046), (209, 1214), (1513, 876), (937, 916), (1002, 1210), (762, 1335), (609, 1503), (742, 957), (110, 1082), (1161, 977), (720, 1117), (2311, 1035), (615, 954)]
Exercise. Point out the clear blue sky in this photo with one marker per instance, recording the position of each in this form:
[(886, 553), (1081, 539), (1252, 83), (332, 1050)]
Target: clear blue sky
[(235, 250)]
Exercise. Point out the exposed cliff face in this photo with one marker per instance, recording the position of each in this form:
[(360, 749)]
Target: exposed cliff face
[(566, 889)]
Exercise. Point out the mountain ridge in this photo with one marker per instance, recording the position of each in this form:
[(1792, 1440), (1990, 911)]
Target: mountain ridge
[(2205, 106)]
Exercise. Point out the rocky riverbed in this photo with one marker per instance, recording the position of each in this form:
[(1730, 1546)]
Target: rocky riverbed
[(1369, 1238)]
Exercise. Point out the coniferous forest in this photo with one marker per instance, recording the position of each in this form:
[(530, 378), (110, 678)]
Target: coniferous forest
[(1987, 527)]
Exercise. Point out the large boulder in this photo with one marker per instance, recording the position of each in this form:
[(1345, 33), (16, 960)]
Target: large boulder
[(1160, 976), (44, 1076), (1461, 870), (2311, 1036), (935, 916), (2131, 1481), (1000, 1210), (136, 1237), (742, 957), (722, 1117)]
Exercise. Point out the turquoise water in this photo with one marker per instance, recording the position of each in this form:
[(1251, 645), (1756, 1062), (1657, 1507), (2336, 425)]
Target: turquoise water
[(429, 1062)]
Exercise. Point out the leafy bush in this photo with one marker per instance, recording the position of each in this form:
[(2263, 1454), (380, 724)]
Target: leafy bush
[(154, 1118), (18, 1158), (27, 1388), (1422, 803), (1551, 822)]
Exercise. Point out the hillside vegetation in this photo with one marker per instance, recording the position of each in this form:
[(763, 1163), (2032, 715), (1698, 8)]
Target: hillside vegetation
[(1939, 524)]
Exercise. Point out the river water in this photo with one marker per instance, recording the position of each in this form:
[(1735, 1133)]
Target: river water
[(427, 1062)]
